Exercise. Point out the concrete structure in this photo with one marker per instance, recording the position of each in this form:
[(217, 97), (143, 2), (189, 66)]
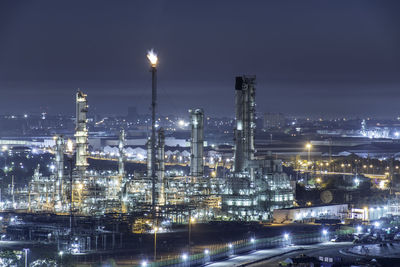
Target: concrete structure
[(245, 121), (196, 143), (81, 132)]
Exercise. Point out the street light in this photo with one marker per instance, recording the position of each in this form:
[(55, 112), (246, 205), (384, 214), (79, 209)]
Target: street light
[(324, 232), (26, 256), (61, 253), (191, 220), (308, 147), (286, 236), (206, 251), (144, 263), (184, 256), (155, 243)]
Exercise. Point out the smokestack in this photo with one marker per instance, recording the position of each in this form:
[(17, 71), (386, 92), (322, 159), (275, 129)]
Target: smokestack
[(196, 143), (245, 122), (81, 132)]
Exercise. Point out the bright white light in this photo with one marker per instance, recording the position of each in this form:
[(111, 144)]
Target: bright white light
[(359, 229), (206, 251), (70, 146), (230, 246), (144, 263), (396, 134), (286, 236), (324, 232), (152, 57), (184, 256), (61, 253), (377, 224), (252, 240), (181, 123)]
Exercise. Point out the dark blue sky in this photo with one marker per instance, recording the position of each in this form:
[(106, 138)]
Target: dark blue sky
[(310, 57)]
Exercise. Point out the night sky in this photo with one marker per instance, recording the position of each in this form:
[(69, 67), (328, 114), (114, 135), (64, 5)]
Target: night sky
[(311, 57)]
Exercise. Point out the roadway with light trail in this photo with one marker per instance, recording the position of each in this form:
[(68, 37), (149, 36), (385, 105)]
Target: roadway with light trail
[(272, 257)]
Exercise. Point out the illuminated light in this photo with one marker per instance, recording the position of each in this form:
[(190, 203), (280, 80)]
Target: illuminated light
[(377, 224), (324, 232), (184, 256), (286, 236), (230, 245), (4, 148), (308, 146), (181, 123), (70, 146), (359, 229), (61, 253), (144, 263), (206, 251), (252, 240), (152, 57)]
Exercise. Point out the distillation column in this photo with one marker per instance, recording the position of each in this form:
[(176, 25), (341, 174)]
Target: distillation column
[(81, 133), (245, 122), (148, 160), (59, 162), (121, 157), (196, 143), (161, 165)]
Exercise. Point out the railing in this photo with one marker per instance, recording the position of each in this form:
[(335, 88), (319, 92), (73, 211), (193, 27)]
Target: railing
[(221, 251)]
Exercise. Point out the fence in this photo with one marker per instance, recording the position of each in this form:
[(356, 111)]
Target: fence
[(221, 251)]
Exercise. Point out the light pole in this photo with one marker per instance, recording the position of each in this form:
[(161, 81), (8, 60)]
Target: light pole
[(61, 254), (152, 57), (26, 256), (191, 220), (308, 146), (155, 242)]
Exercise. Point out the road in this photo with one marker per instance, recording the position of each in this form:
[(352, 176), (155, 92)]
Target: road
[(274, 256), (328, 249)]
